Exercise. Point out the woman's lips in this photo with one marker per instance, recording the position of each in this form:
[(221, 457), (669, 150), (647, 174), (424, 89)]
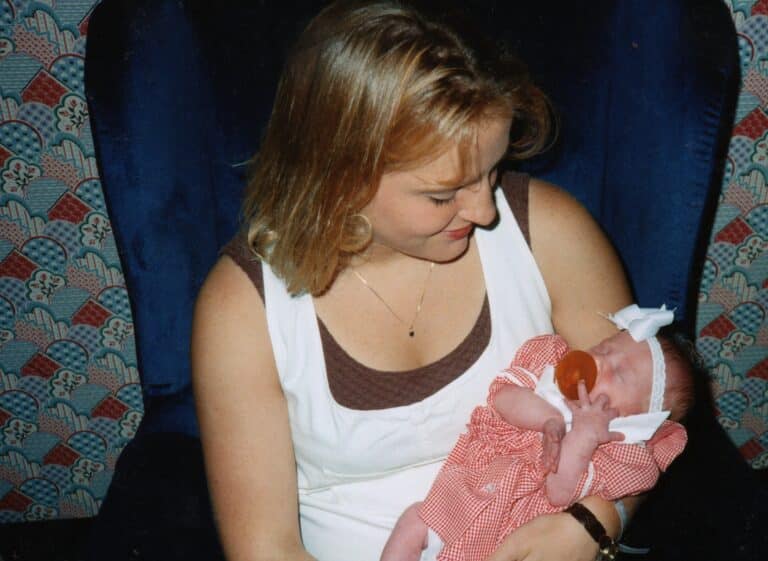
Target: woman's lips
[(460, 232)]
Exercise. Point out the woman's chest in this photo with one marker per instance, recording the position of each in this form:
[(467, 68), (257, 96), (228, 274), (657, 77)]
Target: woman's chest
[(404, 321)]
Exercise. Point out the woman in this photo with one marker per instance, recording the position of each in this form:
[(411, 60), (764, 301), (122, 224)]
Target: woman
[(334, 372)]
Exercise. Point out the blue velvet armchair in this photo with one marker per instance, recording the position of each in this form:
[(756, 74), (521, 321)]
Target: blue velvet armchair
[(179, 91)]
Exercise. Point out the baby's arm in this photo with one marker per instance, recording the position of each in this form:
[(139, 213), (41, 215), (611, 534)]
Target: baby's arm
[(590, 430), (522, 408), (513, 399)]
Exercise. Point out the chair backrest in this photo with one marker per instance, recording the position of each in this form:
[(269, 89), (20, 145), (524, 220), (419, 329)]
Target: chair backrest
[(179, 92), (645, 91), (154, 122)]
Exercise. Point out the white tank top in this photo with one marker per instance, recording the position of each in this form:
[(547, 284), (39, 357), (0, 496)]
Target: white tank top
[(358, 470)]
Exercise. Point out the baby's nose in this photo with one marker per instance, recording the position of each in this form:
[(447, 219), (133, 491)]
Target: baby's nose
[(600, 362), (601, 366)]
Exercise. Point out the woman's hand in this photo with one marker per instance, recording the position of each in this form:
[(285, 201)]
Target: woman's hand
[(552, 537)]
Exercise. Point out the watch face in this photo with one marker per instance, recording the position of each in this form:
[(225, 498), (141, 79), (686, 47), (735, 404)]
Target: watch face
[(608, 548)]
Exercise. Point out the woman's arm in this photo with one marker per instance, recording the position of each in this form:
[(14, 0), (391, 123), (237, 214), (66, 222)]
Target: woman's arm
[(584, 278), (243, 421), (581, 270)]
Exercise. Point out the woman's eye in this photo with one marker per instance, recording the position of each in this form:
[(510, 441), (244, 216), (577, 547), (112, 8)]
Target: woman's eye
[(439, 201)]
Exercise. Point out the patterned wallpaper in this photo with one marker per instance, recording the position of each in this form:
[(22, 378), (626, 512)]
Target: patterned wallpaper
[(733, 298), (70, 397), (69, 389)]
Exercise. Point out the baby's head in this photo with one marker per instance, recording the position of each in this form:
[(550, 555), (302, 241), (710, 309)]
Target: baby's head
[(681, 359), (625, 374)]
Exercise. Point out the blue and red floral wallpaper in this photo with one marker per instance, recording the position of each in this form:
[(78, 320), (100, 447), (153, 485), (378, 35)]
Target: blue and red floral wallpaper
[(70, 397)]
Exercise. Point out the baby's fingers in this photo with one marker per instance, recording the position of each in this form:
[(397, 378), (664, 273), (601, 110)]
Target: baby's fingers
[(581, 388), (601, 401), (549, 462), (612, 413), (614, 436)]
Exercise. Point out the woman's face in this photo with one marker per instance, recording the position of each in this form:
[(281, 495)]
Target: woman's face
[(430, 211), (624, 373)]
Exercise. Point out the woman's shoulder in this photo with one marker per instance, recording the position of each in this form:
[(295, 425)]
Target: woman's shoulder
[(547, 201), (541, 205), (232, 287), (229, 329), (226, 291), (241, 255), (557, 220)]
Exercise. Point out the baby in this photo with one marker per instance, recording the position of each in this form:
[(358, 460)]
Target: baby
[(530, 451)]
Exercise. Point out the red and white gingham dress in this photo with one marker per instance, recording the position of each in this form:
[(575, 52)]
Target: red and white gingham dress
[(492, 483)]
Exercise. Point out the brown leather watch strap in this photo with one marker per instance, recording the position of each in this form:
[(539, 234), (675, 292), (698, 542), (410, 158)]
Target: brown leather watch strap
[(588, 520), (608, 548)]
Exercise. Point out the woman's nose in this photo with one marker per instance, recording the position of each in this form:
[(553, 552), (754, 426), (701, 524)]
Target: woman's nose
[(477, 204)]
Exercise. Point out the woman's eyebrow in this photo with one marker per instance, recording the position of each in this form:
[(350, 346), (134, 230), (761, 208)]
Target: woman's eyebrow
[(439, 188), (437, 185), (453, 184), (450, 186)]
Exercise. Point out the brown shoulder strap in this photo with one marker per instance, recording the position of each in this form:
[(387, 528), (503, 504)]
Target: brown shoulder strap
[(237, 249), (514, 185)]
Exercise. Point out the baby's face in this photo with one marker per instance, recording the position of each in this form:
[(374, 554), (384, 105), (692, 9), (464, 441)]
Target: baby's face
[(624, 373)]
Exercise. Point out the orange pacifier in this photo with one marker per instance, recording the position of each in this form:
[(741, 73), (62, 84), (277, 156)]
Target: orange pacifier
[(573, 367)]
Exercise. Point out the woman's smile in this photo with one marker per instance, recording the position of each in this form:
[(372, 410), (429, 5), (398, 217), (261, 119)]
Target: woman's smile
[(460, 233)]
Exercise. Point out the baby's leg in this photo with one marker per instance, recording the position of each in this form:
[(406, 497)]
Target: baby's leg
[(408, 538)]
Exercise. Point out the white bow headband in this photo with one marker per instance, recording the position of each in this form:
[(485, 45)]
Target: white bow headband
[(643, 324)]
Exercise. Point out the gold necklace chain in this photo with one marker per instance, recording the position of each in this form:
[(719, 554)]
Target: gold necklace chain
[(411, 331)]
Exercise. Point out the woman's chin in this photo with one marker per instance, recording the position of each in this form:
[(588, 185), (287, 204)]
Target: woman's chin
[(447, 253), (442, 252)]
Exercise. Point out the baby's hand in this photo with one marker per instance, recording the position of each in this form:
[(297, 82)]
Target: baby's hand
[(591, 418), (554, 430)]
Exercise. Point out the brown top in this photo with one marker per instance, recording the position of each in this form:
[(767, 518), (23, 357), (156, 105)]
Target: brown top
[(357, 386)]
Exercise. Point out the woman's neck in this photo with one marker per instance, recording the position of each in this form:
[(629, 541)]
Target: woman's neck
[(377, 255)]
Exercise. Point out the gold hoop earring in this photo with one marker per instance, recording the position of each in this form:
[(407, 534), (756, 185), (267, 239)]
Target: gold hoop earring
[(359, 232), (364, 227)]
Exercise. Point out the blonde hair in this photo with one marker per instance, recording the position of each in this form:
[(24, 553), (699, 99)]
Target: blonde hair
[(370, 87)]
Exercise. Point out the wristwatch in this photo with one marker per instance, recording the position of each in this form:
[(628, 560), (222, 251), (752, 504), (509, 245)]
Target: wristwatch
[(607, 546)]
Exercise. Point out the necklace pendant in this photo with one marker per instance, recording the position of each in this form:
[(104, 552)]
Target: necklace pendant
[(411, 333)]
